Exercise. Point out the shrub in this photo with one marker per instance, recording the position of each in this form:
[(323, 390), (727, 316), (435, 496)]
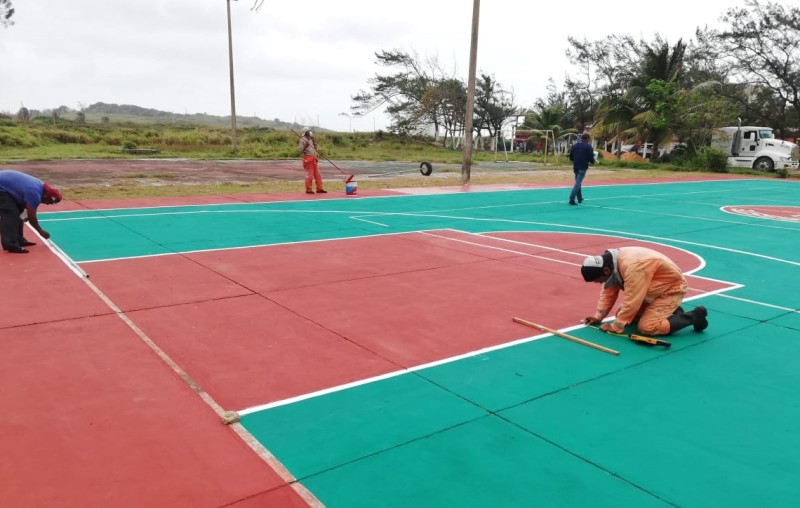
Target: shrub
[(17, 138), (710, 159), (128, 145), (280, 138), (65, 136)]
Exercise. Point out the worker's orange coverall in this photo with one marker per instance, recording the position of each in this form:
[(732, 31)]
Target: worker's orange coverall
[(308, 148), (653, 288)]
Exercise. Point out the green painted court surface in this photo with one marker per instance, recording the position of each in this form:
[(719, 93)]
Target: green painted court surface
[(710, 422)]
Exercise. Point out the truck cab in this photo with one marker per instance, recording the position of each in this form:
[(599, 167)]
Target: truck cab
[(756, 148)]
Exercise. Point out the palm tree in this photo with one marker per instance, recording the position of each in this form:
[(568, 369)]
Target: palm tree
[(614, 121), (654, 89), (548, 118)]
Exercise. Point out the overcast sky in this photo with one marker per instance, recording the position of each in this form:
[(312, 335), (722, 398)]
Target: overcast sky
[(298, 60)]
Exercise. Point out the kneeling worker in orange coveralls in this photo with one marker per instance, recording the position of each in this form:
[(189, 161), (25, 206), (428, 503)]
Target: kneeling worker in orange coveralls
[(654, 288)]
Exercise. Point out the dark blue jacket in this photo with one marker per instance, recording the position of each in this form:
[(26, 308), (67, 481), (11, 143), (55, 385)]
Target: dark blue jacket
[(581, 155)]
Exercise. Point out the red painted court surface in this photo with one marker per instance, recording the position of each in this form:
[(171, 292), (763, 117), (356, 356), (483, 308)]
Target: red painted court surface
[(114, 385)]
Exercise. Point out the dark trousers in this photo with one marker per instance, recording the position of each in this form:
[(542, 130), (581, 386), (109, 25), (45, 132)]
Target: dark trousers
[(577, 191), (10, 223)]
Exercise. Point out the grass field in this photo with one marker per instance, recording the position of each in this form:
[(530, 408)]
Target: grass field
[(45, 139)]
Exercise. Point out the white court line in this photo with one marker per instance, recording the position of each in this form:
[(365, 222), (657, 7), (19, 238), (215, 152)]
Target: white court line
[(60, 254), (370, 221), (182, 253), (354, 384), (198, 212), (702, 263), (445, 361), (66, 259), (490, 234), (410, 214), (499, 248), (610, 198), (596, 230), (193, 385), (346, 386), (360, 198), (374, 379), (339, 388), (434, 213), (746, 300)]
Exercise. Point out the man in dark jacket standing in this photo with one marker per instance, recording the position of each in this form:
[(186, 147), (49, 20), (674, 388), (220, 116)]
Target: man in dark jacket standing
[(581, 156)]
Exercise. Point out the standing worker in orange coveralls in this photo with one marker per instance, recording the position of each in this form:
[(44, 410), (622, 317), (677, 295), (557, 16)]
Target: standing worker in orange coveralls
[(654, 288), (308, 148)]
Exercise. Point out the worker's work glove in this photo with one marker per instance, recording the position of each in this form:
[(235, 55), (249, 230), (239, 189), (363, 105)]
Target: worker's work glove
[(591, 320)]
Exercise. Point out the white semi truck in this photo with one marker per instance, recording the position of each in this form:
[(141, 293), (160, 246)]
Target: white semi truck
[(755, 147)]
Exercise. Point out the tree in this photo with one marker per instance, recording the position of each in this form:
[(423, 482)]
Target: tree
[(660, 61), (761, 44), (549, 115), (613, 60), (6, 13), (615, 121), (607, 67), (402, 92), (701, 110), (454, 107), (445, 103), (654, 89), (493, 106)]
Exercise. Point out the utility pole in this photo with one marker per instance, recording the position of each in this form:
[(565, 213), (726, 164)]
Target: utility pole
[(473, 57), (234, 149)]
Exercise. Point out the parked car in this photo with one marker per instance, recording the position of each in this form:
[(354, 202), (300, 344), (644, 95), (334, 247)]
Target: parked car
[(643, 149)]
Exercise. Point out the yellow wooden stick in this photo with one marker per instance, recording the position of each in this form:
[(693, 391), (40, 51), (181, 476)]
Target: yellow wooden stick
[(565, 336)]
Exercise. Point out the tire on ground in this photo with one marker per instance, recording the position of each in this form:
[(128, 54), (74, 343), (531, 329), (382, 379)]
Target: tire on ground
[(425, 168)]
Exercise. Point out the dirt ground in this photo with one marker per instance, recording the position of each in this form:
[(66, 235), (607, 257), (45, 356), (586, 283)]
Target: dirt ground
[(82, 173)]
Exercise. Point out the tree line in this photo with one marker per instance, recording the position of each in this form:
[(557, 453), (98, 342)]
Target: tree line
[(422, 98), (623, 89)]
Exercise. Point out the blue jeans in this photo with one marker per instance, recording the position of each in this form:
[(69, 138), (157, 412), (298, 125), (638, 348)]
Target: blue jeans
[(580, 174)]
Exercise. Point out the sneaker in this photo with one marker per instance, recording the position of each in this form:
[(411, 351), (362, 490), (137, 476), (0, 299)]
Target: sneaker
[(699, 318), (573, 202), (17, 250), (26, 243), (580, 200), (322, 191), (309, 192)]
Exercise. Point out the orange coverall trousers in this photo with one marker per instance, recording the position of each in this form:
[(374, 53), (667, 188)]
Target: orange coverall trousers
[(311, 165), (653, 316)]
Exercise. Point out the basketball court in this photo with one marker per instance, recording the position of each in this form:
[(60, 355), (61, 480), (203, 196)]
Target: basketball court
[(360, 351)]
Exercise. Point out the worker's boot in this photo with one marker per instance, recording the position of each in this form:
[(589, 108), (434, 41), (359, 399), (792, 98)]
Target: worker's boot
[(699, 318), (696, 317)]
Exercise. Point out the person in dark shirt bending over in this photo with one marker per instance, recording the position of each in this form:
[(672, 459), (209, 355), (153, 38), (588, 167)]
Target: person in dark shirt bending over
[(21, 195)]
